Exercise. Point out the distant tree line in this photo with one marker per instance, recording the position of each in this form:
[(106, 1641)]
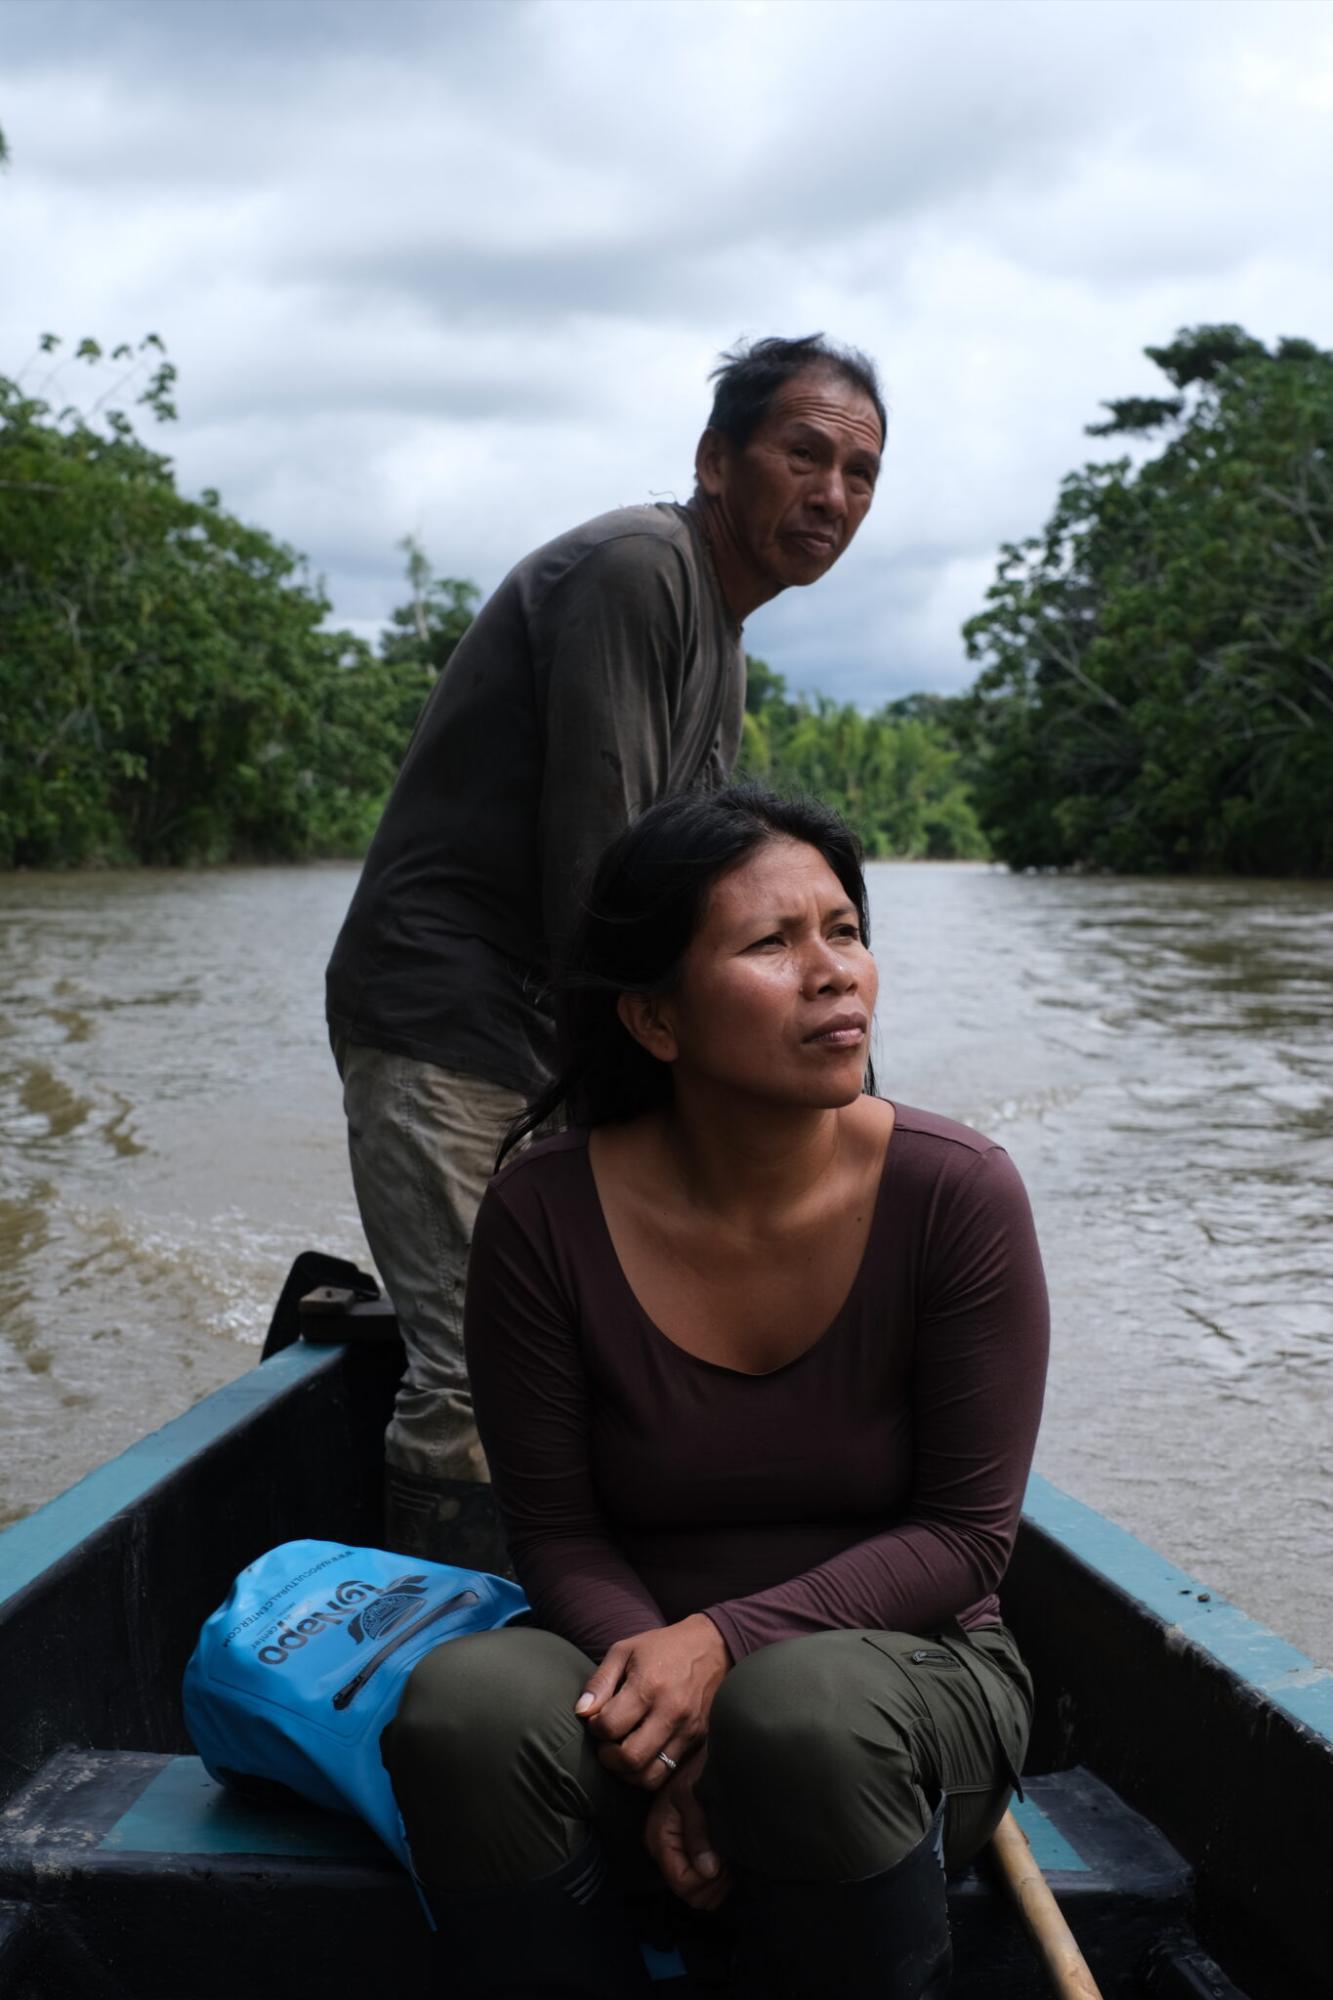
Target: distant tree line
[(899, 776), (1155, 685), (173, 692), (170, 688)]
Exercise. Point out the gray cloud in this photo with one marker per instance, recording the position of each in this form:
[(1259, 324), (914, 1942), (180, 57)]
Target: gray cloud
[(176, 39), (462, 269)]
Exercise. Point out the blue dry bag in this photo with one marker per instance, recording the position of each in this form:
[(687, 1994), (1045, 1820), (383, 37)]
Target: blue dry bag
[(299, 1670)]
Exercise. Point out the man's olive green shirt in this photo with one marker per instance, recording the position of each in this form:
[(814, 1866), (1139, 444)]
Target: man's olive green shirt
[(605, 673)]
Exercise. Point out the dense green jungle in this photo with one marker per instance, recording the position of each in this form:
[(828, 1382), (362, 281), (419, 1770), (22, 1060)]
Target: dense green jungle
[(1154, 668)]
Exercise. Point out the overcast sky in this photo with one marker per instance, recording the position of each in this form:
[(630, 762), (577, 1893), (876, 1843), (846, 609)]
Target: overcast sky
[(460, 270)]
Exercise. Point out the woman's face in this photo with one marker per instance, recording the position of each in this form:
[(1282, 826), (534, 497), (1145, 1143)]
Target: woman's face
[(777, 988)]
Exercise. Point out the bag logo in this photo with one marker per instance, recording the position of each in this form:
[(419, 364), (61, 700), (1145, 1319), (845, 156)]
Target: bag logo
[(389, 1604), (390, 1609)]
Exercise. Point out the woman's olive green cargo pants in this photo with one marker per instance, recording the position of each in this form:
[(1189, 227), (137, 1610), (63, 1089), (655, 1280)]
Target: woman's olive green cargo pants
[(827, 1756)]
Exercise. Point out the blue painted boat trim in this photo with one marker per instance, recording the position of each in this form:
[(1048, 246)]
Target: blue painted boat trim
[(1193, 1615), (183, 1811), (1050, 1849), (53, 1531), (662, 1964)]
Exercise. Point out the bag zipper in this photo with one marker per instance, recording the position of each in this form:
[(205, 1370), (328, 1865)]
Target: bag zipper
[(924, 1653), (346, 1695)]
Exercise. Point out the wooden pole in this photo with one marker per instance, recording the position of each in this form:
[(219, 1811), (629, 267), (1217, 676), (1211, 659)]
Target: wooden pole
[(1056, 1944)]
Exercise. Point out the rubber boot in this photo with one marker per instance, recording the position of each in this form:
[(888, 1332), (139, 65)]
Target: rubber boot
[(886, 1936), (563, 1937), (444, 1520)]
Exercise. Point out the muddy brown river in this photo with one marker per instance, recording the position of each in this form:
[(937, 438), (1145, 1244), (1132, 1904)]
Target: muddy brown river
[(1157, 1056)]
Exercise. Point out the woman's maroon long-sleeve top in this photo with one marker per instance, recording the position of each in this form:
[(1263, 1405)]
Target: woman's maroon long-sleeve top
[(875, 1481)]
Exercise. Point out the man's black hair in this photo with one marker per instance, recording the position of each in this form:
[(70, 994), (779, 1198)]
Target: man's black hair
[(749, 375)]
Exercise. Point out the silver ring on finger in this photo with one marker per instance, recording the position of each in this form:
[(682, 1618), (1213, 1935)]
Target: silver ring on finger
[(670, 1762)]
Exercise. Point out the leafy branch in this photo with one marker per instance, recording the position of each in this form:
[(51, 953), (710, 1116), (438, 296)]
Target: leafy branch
[(1188, 602)]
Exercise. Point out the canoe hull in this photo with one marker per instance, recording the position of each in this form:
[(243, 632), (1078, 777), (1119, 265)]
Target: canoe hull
[(102, 1594)]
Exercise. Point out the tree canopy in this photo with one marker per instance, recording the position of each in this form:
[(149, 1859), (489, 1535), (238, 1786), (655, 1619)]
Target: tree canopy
[(174, 693), (171, 689), (896, 776), (424, 631), (1156, 684)]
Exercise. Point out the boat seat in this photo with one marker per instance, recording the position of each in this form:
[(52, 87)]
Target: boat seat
[(160, 1884)]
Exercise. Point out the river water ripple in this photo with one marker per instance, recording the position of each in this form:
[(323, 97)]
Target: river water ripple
[(1157, 1056)]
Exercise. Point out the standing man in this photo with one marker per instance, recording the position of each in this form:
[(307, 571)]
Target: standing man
[(606, 671)]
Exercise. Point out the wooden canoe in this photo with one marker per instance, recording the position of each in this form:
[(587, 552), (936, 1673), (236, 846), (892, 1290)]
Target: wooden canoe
[(1180, 1802)]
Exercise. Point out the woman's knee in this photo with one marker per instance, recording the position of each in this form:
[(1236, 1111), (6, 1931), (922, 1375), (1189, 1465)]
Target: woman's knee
[(470, 1704), (780, 1707), (807, 1776), (485, 1754)]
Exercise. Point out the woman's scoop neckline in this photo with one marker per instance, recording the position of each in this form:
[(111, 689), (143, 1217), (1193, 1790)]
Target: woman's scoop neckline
[(821, 1340)]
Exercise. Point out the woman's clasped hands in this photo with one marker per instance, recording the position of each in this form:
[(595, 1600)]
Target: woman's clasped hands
[(649, 1703), (676, 1835), (650, 1698)]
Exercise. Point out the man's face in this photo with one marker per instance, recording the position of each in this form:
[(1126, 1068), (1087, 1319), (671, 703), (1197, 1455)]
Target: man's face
[(794, 496)]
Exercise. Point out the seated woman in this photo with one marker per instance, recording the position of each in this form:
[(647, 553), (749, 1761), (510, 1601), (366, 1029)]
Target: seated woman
[(758, 1363)]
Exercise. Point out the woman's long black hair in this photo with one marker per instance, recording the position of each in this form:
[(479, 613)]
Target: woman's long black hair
[(645, 904)]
